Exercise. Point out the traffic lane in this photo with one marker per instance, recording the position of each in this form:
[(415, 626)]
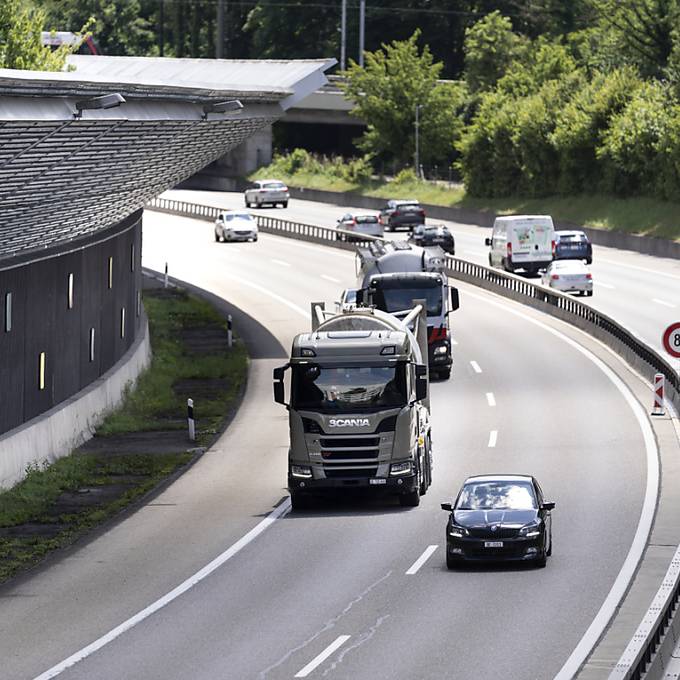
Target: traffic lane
[(211, 506), (385, 544)]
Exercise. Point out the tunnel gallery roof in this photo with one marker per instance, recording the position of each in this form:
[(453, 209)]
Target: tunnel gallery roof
[(64, 176)]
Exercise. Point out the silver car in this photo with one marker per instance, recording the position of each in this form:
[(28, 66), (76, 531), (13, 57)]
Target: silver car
[(569, 276), (267, 192), (235, 225), (362, 225)]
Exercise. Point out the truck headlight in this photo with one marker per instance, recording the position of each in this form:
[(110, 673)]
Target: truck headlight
[(441, 349), (300, 471), (404, 468)]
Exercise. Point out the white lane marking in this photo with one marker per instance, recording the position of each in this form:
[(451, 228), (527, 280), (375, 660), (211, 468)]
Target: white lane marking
[(640, 269), (413, 569), (602, 284), (278, 512), (627, 571), (490, 399), (475, 367), (244, 282), (663, 302), (323, 656), (493, 438), (297, 245), (280, 262), (332, 279), (454, 342)]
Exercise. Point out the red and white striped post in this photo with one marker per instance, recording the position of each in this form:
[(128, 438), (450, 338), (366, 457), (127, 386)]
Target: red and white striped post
[(658, 395)]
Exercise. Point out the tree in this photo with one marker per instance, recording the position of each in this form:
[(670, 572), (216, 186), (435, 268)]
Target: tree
[(395, 80), (20, 40), (490, 48)]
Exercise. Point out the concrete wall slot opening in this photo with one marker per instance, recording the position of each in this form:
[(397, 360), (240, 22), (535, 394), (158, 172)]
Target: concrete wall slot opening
[(8, 312), (122, 322), (69, 302), (42, 359), (91, 345), (110, 272), (132, 257), (139, 302)]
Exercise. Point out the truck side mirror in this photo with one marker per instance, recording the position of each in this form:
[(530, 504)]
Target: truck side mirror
[(455, 299), (279, 387), (487, 241), (421, 382)]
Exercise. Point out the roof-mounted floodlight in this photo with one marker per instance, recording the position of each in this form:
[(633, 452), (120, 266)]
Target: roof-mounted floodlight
[(231, 106), (105, 101)]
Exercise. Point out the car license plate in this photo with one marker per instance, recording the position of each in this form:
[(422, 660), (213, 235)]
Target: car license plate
[(377, 480), (493, 544)]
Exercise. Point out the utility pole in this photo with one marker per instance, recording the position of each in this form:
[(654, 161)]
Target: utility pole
[(219, 37), (417, 159), (343, 34), (161, 21), (362, 27)]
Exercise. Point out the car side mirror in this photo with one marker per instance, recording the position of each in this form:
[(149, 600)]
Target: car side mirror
[(487, 241), (455, 299), (447, 507), (550, 505)]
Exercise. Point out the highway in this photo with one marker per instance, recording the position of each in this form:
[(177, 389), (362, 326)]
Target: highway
[(349, 589)]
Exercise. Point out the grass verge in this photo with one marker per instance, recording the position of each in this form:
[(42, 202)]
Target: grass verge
[(137, 447)]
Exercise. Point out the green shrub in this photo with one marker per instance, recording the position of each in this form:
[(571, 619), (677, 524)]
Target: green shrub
[(405, 176)]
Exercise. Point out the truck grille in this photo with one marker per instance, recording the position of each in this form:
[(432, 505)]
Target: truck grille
[(350, 472), (350, 442)]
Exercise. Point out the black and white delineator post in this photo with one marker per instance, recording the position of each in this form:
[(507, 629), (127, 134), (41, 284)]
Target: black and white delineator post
[(190, 419), (230, 338), (658, 395), (165, 279)]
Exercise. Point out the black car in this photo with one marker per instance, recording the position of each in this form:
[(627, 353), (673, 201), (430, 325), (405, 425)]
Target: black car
[(573, 245), (434, 235), (499, 517), (399, 213)]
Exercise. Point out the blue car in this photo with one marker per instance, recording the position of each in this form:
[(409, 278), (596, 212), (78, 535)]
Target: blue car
[(573, 245)]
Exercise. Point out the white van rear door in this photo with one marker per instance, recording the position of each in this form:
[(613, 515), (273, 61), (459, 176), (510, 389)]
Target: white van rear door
[(531, 240)]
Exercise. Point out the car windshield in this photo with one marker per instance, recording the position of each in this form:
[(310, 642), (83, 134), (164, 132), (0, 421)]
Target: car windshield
[(396, 297), (348, 388), (366, 219), (578, 238), (238, 216), (273, 185), (496, 495)]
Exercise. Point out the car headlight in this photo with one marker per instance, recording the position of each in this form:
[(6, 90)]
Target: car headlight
[(531, 530), (301, 471), (457, 531), (441, 349), (404, 468)]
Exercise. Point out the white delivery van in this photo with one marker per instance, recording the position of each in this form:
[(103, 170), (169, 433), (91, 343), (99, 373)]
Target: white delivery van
[(522, 242)]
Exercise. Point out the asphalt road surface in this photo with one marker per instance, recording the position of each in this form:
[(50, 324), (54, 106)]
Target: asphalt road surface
[(355, 589)]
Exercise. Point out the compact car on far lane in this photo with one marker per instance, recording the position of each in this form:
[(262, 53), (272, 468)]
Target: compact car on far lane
[(361, 225), (499, 517), (235, 225), (568, 276), (434, 235), (267, 192), (402, 213)]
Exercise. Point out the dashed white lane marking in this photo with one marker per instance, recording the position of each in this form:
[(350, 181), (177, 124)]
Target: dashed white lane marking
[(663, 302), (323, 656), (332, 279), (602, 284), (475, 367), (281, 263), (277, 513), (490, 399), (493, 438), (413, 569), (640, 269)]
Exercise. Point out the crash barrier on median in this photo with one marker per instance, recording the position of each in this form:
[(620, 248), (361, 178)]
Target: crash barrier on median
[(654, 630)]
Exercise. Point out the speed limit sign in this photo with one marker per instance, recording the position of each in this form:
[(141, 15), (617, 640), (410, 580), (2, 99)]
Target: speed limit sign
[(671, 340)]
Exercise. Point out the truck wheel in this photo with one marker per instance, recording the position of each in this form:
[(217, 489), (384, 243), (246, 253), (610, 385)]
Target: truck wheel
[(299, 501), (446, 374), (450, 561)]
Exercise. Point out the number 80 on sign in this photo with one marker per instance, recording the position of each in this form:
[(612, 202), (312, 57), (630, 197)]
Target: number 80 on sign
[(671, 340)]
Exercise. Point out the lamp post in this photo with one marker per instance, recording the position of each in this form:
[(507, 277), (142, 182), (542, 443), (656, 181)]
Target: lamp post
[(343, 34), (417, 158), (362, 22)]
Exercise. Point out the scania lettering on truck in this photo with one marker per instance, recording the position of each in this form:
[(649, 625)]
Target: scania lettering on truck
[(391, 275), (522, 242), (358, 406)]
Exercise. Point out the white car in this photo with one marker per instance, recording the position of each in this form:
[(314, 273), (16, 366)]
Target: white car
[(569, 276), (267, 192), (362, 225), (235, 225)]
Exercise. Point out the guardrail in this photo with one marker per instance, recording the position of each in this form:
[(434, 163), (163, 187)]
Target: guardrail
[(640, 653)]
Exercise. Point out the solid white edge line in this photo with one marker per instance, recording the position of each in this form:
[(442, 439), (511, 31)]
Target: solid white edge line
[(413, 569), (330, 278), (493, 438), (663, 302), (279, 511), (323, 656), (491, 400), (640, 269), (590, 638), (475, 367)]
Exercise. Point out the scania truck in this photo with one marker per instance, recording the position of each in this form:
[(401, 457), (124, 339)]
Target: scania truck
[(390, 274), (358, 405)]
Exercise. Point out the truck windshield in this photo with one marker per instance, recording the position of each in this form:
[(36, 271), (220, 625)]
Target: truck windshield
[(348, 388), (391, 298)]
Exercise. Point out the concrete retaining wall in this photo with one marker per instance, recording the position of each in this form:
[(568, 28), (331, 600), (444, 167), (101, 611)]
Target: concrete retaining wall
[(63, 428), (648, 245)]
